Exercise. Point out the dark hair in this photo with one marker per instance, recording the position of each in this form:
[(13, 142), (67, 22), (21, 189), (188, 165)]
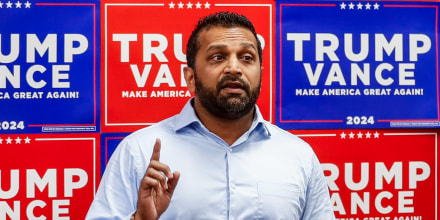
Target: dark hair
[(222, 19)]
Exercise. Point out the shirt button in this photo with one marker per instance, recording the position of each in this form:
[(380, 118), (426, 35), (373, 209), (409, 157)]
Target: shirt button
[(230, 150)]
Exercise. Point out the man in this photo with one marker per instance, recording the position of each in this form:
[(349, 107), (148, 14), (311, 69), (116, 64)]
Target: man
[(232, 164)]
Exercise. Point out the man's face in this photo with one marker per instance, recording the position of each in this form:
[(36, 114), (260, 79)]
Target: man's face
[(227, 75)]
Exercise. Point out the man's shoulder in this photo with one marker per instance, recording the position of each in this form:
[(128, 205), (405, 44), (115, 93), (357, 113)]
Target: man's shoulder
[(165, 125), (287, 139), (148, 134), (278, 132)]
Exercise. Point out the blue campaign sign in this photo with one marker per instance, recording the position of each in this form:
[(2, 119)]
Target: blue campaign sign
[(361, 64), (48, 66)]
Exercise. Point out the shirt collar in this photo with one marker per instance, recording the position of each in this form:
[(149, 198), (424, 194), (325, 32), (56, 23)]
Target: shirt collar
[(187, 116)]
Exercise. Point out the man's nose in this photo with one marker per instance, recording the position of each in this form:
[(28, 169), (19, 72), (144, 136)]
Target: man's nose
[(233, 66)]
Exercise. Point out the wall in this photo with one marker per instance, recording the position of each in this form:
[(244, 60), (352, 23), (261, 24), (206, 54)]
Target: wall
[(357, 80)]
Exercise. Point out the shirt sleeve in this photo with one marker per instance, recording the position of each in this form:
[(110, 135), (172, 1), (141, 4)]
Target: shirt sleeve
[(117, 194), (318, 205)]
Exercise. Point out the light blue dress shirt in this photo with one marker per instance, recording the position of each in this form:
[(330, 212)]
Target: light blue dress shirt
[(268, 173)]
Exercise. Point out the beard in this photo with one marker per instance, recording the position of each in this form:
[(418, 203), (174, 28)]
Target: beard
[(230, 106)]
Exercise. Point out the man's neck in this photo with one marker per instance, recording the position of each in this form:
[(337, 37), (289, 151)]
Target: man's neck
[(227, 129)]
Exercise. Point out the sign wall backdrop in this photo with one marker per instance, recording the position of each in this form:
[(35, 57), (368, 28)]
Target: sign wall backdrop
[(358, 80)]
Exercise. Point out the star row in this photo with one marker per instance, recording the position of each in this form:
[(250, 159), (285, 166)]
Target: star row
[(359, 135), (359, 6), (17, 4), (189, 5), (17, 140)]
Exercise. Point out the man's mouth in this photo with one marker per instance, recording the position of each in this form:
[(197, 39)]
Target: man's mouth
[(233, 84), (233, 87)]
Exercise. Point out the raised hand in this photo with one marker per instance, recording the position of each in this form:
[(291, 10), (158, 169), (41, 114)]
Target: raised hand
[(156, 190)]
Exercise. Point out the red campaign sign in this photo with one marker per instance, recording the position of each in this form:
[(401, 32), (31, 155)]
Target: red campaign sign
[(379, 174), (48, 176), (144, 47)]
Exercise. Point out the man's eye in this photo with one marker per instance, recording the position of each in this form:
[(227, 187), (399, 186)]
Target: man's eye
[(217, 57), (248, 58)]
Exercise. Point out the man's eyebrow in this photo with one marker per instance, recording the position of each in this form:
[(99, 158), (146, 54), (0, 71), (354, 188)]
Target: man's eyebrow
[(223, 46), (216, 47), (248, 45)]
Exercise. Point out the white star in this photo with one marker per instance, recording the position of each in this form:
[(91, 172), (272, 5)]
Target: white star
[(9, 4), (189, 5), (343, 5), (171, 5), (368, 6), (376, 135), (18, 140), (9, 140), (351, 135), (180, 5), (207, 5), (27, 140), (351, 5), (376, 6), (1, 4), (18, 4), (360, 135), (368, 135), (359, 6), (198, 5), (1, 140), (343, 135)]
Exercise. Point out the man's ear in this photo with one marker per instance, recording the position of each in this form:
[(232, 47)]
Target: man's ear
[(189, 78), (261, 76)]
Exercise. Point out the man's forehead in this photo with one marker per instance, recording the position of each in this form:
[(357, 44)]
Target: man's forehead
[(221, 36)]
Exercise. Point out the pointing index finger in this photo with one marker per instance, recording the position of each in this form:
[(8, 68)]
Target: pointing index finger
[(156, 150), (154, 161)]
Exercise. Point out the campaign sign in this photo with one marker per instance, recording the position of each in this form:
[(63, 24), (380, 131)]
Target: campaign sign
[(109, 143), (48, 176), (48, 66), (362, 64), (144, 53), (379, 174)]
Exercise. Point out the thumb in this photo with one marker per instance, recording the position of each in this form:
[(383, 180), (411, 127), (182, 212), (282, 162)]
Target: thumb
[(172, 183)]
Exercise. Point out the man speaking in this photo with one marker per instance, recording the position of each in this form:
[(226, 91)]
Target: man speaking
[(229, 162)]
